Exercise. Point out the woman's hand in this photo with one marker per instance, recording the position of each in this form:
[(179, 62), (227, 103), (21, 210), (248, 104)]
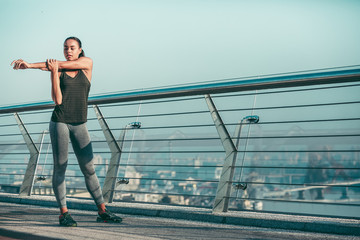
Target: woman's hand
[(53, 65), (20, 64)]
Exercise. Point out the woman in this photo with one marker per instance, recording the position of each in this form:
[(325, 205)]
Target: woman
[(70, 82)]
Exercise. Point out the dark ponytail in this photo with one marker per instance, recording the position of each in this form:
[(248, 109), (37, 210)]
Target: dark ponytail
[(82, 54)]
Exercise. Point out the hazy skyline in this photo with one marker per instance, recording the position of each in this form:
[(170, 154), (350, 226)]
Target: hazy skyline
[(143, 44)]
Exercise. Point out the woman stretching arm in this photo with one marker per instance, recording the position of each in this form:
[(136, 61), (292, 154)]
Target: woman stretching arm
[(74, 55), (83, 63), (80, 63), (70, 88)]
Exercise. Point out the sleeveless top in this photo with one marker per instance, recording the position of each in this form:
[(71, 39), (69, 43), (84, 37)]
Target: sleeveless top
[(75, 92)]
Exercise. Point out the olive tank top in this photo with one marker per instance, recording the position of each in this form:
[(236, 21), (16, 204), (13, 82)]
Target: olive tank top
[(75, 92)]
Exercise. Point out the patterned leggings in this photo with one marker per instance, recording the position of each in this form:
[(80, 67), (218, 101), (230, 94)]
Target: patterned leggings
[(80, 139)]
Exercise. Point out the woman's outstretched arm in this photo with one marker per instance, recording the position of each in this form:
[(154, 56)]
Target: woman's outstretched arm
[(56, 94), (84, 63), (21, 64)]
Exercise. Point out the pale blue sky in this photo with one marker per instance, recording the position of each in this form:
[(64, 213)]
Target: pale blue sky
[(142, 44)]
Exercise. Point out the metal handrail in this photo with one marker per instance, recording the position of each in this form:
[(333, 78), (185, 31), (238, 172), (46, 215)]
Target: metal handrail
[(233, 85)]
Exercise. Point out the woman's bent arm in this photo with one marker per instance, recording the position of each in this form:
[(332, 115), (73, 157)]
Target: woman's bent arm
[(56, 94)]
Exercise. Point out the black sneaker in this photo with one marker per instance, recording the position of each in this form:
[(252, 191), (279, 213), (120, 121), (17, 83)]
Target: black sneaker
[(67, 221), (108, 216)]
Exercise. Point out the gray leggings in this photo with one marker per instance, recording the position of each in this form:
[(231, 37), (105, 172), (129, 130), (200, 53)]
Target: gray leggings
[(80, 139)]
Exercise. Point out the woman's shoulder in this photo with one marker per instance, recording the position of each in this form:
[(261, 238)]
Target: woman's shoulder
[(87, 62), (85, 58)]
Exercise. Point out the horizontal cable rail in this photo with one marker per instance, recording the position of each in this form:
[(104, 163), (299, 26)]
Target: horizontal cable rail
[(214, 151), (229, 110), (297, 201), (160, 193), (216, 166), (209, 125)]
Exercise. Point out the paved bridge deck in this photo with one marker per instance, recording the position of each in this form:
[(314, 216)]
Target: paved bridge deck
[(36, 217)]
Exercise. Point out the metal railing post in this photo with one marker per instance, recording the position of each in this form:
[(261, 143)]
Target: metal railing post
[(223, 191), (29, 177), (115, 148)]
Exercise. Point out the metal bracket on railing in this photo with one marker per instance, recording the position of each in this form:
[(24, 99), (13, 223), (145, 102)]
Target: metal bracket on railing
[(40, 179), (132, 125), (252, 119), (123, 181), (135, 124), (241, 186)]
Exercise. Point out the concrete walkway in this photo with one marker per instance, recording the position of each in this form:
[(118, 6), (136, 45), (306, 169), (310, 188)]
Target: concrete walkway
[(341, 226), (20, 221)]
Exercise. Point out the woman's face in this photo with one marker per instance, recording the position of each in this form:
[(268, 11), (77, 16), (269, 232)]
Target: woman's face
[(71, 50)]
